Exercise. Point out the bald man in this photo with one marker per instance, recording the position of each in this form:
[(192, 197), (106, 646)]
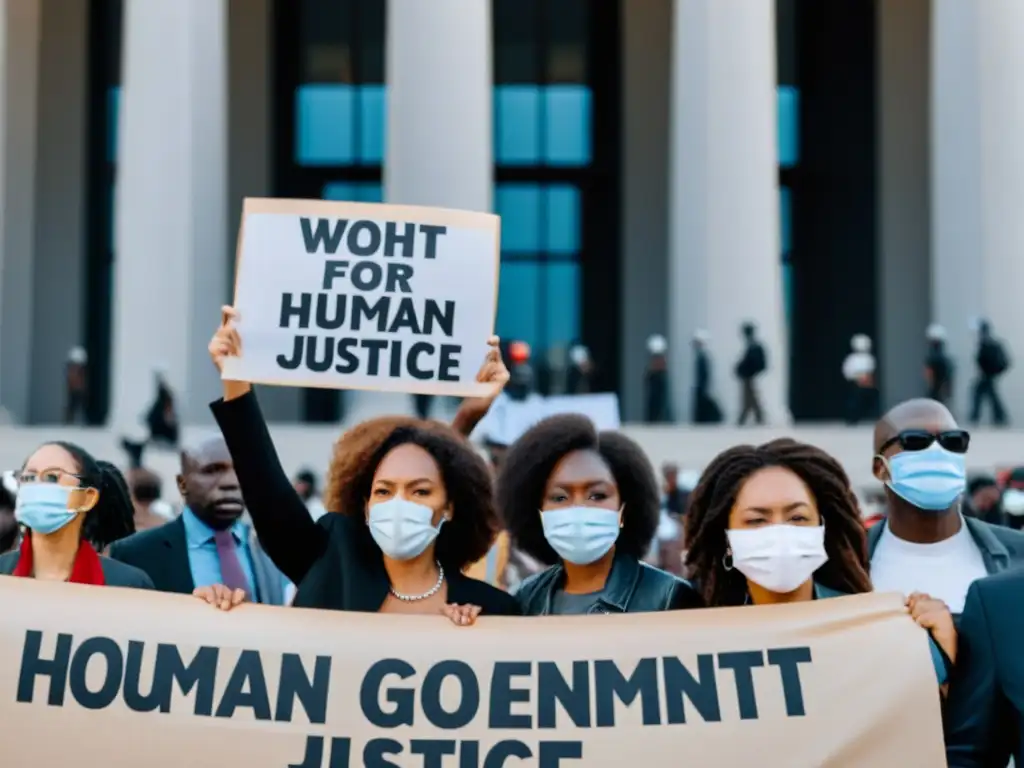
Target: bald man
[(209, 543), (926, 544)]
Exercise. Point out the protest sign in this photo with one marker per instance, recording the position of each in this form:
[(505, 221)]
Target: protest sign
[(362, 296), (123, 678), (507, 419)]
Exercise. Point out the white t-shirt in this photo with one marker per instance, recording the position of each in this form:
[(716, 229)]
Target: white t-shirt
[(943, 570)]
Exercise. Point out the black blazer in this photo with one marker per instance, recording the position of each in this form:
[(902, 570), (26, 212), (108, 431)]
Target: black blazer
[(985, 708), (115, 574), (334, 561)]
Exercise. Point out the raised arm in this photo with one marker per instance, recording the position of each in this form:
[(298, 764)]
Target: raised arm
[(493, 372), (283, 524)]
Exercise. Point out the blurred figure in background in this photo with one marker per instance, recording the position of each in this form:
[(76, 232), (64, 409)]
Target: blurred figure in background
[(421, 404), (581, 368), (1012, 500), (77, 385), (146, 489), (8, 523), (753, 364), (162, 418), (705, 408), (984, 499), (859, 372), (992, 361), (306, 486), (657, 408), (521, 377), (938, 366)]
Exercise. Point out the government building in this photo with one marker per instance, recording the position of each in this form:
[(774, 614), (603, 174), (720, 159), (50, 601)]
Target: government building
[(660, 166)]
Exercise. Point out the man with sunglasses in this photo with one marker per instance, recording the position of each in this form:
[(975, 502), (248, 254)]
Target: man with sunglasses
[(926, 544)]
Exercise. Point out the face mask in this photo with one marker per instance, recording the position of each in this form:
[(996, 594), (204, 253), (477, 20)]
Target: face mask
[(778, 557), (581, 535), (43, 507), (931, 479), (402, 529)]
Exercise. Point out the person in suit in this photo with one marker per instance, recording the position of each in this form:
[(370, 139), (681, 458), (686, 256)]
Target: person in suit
[(985, 709), (409, 507), (926, 544), (208, 543), (71, 507), (779, 523)]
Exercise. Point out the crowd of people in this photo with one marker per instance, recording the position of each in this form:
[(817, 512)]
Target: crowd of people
[(566, 520)]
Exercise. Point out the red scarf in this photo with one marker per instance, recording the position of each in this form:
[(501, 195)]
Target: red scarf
[(87, 568)]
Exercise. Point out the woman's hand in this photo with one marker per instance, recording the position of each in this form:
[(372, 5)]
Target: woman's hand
[(227, 343), (934, 615), (463, 615), (494, 373), (220, 596)]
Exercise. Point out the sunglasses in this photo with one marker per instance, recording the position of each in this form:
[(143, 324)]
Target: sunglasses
[(953, 440)]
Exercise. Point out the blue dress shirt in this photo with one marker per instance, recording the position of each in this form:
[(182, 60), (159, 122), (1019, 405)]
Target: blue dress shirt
[(202, 551)]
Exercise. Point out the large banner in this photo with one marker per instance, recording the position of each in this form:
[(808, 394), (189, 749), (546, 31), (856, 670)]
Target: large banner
[(130, 679)]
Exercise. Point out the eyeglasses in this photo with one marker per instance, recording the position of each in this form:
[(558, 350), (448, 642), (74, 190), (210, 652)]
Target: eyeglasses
[(53, 475), (953, 440)]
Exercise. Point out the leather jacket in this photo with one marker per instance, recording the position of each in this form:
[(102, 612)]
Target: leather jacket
[(632, 587)]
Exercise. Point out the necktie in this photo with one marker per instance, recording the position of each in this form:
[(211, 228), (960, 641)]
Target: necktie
[(231, 571)]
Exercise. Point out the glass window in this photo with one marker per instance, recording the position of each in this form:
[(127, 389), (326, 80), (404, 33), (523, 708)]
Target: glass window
[(789, 125), (372, 116), (562, 300), (519, 206), (113, 115), (323, 130), (517, 124), (354, 191), (518, 302), (563, 220), (785, 220), (567, 125)]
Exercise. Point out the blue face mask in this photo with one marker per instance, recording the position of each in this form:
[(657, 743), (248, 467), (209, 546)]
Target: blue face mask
[(931, 479), (43, 507), (581, 535)]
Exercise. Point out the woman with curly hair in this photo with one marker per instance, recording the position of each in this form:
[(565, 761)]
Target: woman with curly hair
[(412, 506), (779, 523), (587, 504)]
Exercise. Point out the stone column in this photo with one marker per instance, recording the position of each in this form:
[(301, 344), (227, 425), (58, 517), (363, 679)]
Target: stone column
[(724, 249)]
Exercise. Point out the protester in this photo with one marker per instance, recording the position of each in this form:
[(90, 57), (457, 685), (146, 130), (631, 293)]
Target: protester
[(162, 418), (926, 544), (859, 372), (753, 364), (306, 486), (598, 505), (657, 402), (76, 377), (208, 543), (984, 500), (411, 506), (992, 361), (8, 523), (71, 507), (938, 366), (985, 712), (779, 523), (146, 490), (581, 370), (705, 407)]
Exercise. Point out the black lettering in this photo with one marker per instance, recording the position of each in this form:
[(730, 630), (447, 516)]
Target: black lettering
[(333, 269), (610, 684), (375, 751), (503, 695), (503, 750), (374, 347), (551, 753), (330, 240), (290, 364), (362, 309), (113, 669), (347, 362), (404, 699), (788, 660), (289, 310), (412, 362), (367, 275), (319, 366), (323, 304), (448, 370), (552, 688), (372, 245), (405, 317), (469, 695), (741, 663), (296, 684), (469, 754), (395, 368), (398, 278), (444, 318), (170, 669), (392, 239), (314, 755), (432, 232), (341, 748), (32, 666), (247, 687), (433, 751), (702, 691)]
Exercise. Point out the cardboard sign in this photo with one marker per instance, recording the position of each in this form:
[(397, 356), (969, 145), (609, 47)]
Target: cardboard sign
[(362, 296), (127, 678)]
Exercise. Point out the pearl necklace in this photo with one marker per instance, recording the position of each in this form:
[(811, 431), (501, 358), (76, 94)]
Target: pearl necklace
[(429, 593)]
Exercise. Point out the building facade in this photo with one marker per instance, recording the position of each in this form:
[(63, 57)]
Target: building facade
[(821, 169)]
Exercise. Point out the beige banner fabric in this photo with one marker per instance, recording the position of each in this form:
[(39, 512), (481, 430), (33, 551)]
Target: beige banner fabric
[(132, 679)]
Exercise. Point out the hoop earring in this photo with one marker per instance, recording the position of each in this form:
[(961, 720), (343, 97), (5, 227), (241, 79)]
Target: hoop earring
[(727, 560)]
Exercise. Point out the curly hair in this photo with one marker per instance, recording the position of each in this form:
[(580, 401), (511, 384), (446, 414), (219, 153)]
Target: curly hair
[(357, 454), (707, 518), (532, 458)]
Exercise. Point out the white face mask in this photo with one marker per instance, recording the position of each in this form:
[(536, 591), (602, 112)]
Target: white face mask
[(402, 529), (581, 535), (779, 558)]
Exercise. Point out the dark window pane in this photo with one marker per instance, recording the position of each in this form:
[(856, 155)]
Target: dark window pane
[(563, 219), (325, 38), (372, 119), (323, 125), (353, 191), (517, 125), (370, 14), (567, 125), (785, 220), (789, 125), (785, 41), (518, 302), (111, 211), (113, 113), (566, 28), (517, 56), (561, 303), (519, 206)]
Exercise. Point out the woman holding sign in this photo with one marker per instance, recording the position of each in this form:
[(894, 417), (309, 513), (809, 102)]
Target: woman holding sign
[(412, 507), (779, 523), (71, 507), (587, 504)]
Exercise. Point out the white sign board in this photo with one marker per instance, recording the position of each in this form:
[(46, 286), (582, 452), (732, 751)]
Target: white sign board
[(508, 419), (362, 296)]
